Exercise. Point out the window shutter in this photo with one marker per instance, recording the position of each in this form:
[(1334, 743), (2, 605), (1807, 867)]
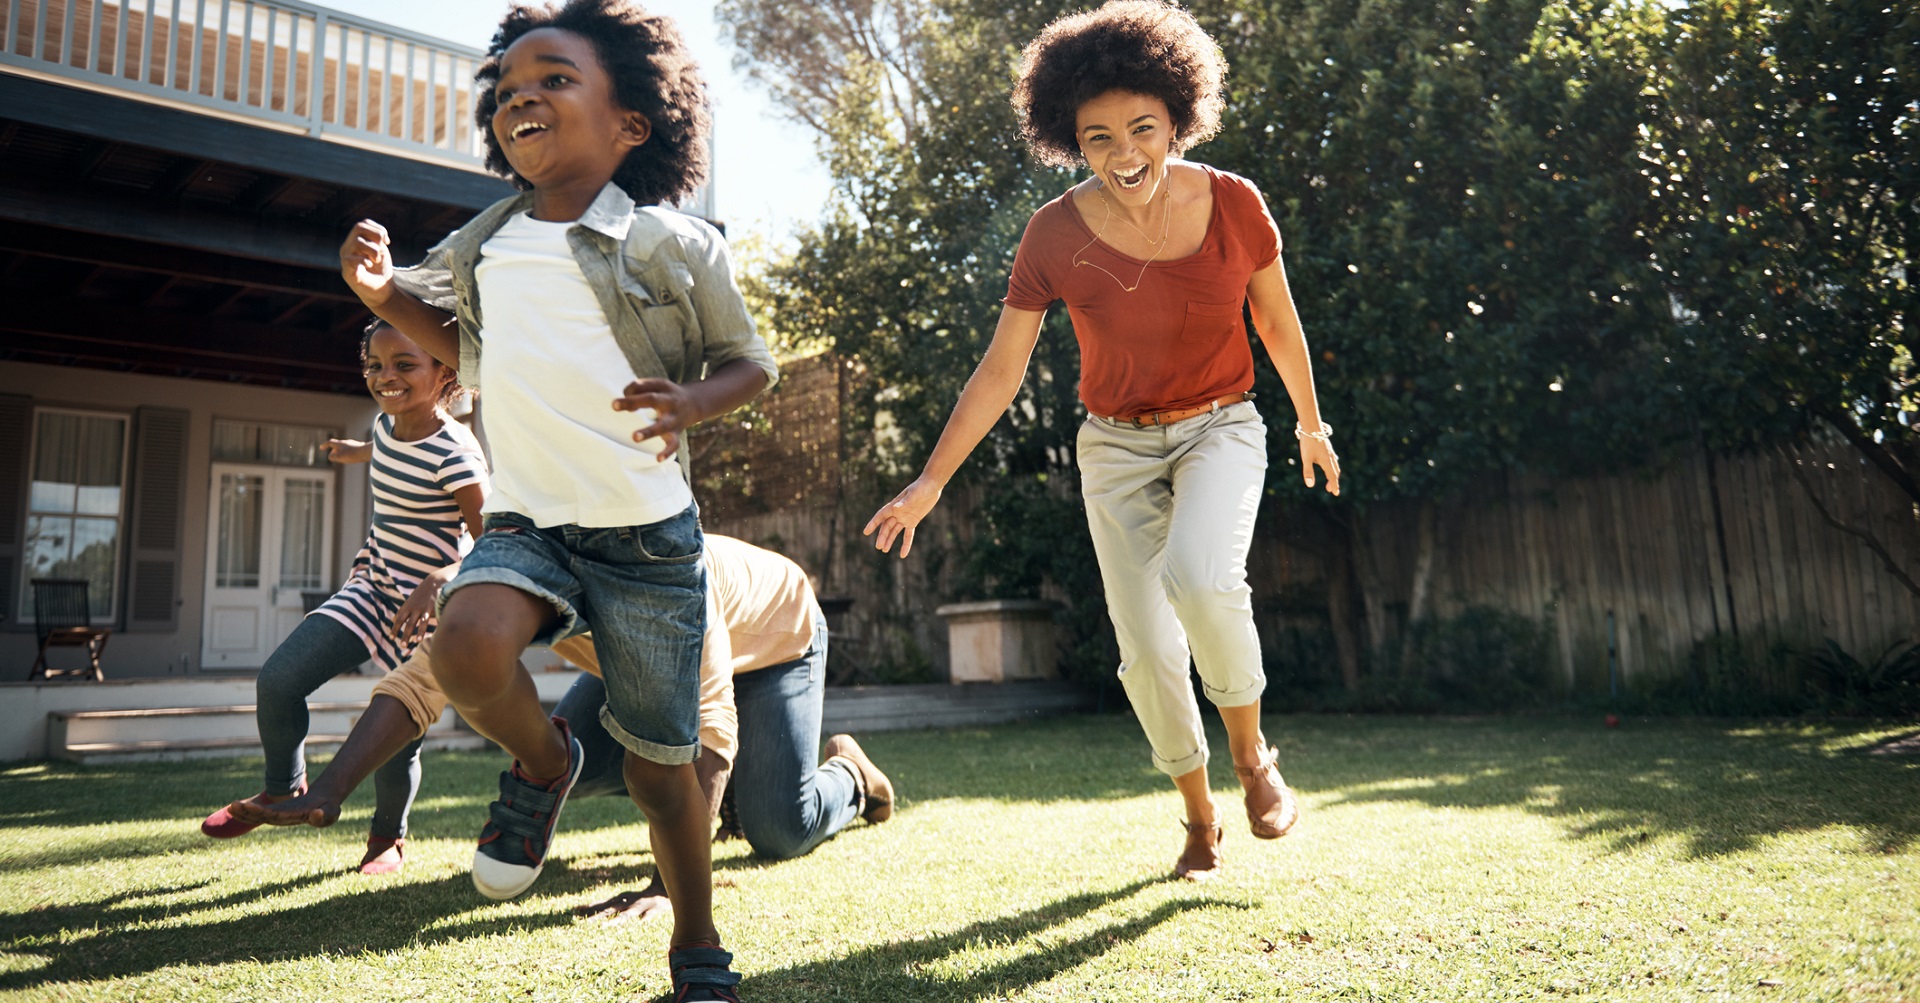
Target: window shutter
[(159, 503), (16, 424)]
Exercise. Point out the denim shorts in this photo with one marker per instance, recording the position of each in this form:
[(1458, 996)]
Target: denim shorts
[(640, 589)]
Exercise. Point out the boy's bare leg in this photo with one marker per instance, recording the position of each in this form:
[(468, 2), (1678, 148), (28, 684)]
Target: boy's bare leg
[(476, 661), (681, 831), (652, 900), (384, 730)]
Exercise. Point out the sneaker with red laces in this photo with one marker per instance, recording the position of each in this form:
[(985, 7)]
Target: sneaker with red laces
[(702, 973), (519, 830), (222, 825)]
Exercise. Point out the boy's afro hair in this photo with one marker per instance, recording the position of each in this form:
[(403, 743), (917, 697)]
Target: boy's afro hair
[(652, 73), (1144, 46)]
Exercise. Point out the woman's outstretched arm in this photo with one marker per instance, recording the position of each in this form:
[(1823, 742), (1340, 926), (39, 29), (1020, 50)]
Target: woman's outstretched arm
[(988, 393)]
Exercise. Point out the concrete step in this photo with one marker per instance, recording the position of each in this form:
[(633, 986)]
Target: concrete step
[(859, 709), (162, 733), (169, 733), (216, 748), (184, 724)]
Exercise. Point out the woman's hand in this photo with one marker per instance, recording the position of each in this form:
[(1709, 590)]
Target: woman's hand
[(416, 614), (366, 262), (897, 518), (1319, 452), (347, 450)]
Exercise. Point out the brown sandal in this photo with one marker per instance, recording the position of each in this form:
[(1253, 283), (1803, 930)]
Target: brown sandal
[(1271, 806), (1201, 857)]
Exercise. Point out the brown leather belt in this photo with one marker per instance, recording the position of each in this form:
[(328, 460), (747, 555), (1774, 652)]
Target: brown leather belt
[(1169, 417)]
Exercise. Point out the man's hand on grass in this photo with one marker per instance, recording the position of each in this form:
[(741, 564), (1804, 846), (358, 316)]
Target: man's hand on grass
[(644, 904)]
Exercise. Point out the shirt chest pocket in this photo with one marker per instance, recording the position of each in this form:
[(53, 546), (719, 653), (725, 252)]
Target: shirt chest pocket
[(1209, 323), (661, 296)]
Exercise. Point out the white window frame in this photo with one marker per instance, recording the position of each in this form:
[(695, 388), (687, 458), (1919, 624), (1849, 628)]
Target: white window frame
[(27, 574)]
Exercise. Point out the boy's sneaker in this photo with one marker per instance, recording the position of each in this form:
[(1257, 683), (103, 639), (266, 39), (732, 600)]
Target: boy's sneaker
[(702, 973), (519, 830)]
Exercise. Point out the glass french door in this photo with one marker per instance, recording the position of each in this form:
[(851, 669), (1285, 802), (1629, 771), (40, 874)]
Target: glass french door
[(269, 539)]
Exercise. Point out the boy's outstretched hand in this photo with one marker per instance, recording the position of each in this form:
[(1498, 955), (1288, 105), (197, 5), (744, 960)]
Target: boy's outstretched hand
[(664, 403), (366, 262)]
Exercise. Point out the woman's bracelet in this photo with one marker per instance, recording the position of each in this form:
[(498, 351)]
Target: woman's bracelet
[(1324, 435)]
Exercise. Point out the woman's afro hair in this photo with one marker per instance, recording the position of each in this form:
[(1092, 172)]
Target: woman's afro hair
[(652, 73), (1144, 46)]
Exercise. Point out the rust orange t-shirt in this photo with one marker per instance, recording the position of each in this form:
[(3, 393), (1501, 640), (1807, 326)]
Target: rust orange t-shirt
[(1176, 341)]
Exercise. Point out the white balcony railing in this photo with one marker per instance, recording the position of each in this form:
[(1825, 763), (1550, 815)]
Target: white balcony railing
[(279, 63)]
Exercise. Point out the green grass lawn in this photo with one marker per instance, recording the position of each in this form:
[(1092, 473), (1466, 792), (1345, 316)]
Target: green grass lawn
[(1502, 858)]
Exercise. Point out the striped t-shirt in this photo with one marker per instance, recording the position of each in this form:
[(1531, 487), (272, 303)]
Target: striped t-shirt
[(416, 530)]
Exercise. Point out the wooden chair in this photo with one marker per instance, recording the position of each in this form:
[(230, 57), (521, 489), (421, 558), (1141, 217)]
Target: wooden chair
[(62, 619)]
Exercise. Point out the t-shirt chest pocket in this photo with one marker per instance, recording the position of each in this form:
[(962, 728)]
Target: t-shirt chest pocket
[(1209, 323), (660, 294)]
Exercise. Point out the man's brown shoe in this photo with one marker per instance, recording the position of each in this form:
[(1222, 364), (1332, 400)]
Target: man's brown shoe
[(1271, 807), (876, 791), (1201, 858)]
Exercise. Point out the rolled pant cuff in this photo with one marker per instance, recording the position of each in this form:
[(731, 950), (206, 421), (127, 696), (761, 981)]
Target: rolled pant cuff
[(654, 752), (569, 624), (1235, 698), (1184, 765)]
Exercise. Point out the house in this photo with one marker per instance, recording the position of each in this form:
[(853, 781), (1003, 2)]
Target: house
[(175, 179)]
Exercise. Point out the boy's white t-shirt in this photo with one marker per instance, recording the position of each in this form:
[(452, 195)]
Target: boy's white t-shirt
[(551, 369)]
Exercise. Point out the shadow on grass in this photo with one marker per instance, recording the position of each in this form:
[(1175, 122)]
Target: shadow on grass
[(455, 790), (382, 919), (1718, 786), (403, 915), (894, 971)]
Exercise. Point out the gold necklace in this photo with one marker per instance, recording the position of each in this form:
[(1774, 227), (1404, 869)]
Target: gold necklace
[(1166, 225)]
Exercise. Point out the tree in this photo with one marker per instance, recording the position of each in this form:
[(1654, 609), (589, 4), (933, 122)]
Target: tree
[(1459, 188), (1781, 155), (1565, 236)]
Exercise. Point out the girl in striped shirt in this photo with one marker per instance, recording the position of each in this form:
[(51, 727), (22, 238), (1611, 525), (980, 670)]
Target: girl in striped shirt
[(428, 478)]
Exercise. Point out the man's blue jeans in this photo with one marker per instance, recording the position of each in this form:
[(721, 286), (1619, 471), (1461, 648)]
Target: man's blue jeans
[(788, 804)]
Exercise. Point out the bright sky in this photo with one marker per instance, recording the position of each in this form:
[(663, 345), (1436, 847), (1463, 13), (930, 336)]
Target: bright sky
[(768, 177)]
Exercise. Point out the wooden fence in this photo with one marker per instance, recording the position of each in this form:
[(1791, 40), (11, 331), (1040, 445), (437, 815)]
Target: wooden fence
[(1644, 567), (1650, 567)]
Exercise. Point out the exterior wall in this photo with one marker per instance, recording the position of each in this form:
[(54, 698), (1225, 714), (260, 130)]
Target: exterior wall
[(144, 654)]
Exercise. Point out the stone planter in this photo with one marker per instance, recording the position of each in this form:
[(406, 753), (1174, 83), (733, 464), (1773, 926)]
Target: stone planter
[(1001, 640)]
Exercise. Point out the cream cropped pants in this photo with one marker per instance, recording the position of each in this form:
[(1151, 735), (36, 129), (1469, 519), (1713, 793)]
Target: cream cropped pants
[(1171, 509)]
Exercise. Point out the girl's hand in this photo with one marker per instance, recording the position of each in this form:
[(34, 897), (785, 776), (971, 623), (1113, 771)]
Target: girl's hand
[(1319, 452), (366, 262), (416, 614), (347, 450), (897, 518), (673, 409)]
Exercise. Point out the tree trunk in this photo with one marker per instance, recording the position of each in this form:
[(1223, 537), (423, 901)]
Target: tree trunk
[(1429, 519)]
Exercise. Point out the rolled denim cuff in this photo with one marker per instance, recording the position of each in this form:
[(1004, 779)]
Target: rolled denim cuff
[(665, 755), (568, 625)]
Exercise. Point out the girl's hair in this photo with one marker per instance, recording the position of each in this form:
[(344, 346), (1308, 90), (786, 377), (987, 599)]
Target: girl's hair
[(1144, 46), (652, 73), (450, 391)]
